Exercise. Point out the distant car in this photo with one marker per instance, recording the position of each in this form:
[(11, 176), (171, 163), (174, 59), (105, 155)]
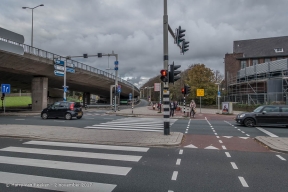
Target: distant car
[(265, 115), (63, 109)]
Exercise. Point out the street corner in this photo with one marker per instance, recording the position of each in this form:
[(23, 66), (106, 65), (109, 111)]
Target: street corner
[(274, 143)]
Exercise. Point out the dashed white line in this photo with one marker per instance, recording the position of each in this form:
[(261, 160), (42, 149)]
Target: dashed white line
[(185, 131), (220, 141), (242, 131), (215, 133), (223, 147), (217, 137), (243, 182), (178, 161), (181, 151), (248, 135), (19, 119), (174, 176), (227, 154), (170, 191), (234, 165), (235, 127), (280, 157), (267, 132), (239, 130), (213, 130)]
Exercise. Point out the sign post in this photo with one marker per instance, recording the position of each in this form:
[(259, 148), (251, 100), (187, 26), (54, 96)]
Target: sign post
[(157, 87), (5, 89), (200, 93)]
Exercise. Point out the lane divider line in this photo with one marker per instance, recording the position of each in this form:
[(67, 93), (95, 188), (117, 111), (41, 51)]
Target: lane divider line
[(223, 147), (234, 165), (227, 154), (243, 182), (181, 151), (174, 176), (178, 161), (248, 135), (217, 137), (280, 157), (220, 141)]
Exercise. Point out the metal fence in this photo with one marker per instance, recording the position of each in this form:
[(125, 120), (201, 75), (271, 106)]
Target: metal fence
[(51, 56)]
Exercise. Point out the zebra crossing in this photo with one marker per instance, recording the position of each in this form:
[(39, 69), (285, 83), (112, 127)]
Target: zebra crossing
[(47, 157), (133, 124)]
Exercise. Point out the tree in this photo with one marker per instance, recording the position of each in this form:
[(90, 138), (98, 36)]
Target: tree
[(201, 77)]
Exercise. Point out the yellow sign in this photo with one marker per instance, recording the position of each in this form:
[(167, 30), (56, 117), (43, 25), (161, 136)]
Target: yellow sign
[(200, 92)]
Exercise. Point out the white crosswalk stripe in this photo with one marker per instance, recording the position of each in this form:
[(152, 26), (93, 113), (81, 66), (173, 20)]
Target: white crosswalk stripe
[(133, 124), (75, 150)]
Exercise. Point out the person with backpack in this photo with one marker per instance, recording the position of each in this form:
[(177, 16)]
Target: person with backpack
[(171, 108), (192, 108)]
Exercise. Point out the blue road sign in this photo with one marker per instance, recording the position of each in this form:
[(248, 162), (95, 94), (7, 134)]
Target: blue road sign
[(65, 89), (116, 68), (58, 67), (218, 93), (119, 89), (59, 62), (116, 62), (70, 70), (59, 73), (5, 88)]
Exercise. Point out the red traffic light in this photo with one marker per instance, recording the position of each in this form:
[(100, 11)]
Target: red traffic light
[(164, 73), (183, 91)]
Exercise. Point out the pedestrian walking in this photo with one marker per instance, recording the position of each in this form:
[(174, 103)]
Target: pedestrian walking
[(172, 109), (192, 108)]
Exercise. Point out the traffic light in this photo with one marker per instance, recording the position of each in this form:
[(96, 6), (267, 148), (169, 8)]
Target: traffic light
[(173, 74), (85, 55), (187, 89), (179, 35), (164, 75), (183, 91), (184, 46)]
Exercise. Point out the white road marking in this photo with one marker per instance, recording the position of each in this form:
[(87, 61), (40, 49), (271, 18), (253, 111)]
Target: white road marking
[(238, 129), (170, 191), (243, 182), (19, 119), (181, 151), (92, 168), (128, 129), (186, 132), (210, 147), (228, 137), (89, 146), (211, 126), (174, 176), (213, 130), (243, 137), (267, 132), (242, 131), (51, 183), (280, 157), (74, 154), (234, 165), (248, 135), (190, 146), (223, 147), (217, 137), (227, 154), (220, 141), (215, 133), (178, 161)]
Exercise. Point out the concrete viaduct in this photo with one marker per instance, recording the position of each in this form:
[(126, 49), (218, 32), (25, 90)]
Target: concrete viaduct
[(35, 71)]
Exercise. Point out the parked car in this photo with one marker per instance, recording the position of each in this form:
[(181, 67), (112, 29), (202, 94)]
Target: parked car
[(63, 109), (265, 115)]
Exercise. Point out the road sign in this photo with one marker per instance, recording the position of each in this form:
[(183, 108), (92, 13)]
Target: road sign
[(59, 62), (4, 33), (156, 86), (119, 89), (200, 92), (59, 67), (116, 62), (59, 73), (70, 70), (5, 88), (219, 94), (65, 89), (116, 68)]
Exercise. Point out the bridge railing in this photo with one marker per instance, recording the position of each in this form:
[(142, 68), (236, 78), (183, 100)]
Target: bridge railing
[(52, 56)]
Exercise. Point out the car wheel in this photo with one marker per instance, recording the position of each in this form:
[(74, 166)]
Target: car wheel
[(79, 117), (68, 116), (44, 115), (249, 122)]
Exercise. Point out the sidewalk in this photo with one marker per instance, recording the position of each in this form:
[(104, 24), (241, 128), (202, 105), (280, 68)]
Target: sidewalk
[(274, 143), (80, 135)]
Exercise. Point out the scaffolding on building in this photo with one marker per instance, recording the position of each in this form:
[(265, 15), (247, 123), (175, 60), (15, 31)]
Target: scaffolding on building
[(265, 83)]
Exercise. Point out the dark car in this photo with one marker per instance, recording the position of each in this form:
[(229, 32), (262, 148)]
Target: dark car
[(265, 115), (63, 109)]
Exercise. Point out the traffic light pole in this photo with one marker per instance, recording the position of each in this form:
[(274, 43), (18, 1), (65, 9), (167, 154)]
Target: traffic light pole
[(166, 108)]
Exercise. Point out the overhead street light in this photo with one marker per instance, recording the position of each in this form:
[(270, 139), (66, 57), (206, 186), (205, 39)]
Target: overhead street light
[(32, 20)]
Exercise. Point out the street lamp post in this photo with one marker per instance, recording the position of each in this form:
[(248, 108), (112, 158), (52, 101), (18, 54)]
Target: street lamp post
[(32, 20)]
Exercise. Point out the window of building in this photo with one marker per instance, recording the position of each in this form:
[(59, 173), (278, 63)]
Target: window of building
[(279, 50), (243, 64), (267, 60), (278, 58), (255, 62)]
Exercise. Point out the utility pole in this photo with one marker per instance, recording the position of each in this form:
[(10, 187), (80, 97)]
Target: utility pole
[(166, 99)]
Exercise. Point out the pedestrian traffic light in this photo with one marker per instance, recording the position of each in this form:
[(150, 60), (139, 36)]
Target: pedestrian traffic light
[(173, 74), (187, 89), (179, 35), (183, 91), (184, 46), (164, 75)]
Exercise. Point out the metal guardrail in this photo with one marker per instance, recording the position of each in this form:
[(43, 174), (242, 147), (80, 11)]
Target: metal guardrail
[(47, 55)]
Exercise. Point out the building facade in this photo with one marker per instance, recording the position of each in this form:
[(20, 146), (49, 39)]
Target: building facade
[(257, 71)]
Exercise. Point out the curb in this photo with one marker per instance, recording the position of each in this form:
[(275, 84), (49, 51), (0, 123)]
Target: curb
[(270, 145)]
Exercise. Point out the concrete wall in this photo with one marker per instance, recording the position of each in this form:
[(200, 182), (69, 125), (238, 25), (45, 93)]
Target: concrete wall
[(39, 93)]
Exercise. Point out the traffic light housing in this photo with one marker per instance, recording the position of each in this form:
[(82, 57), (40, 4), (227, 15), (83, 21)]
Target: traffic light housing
[(184, 46), (173, 74), (187, 89), (164, 75), (179, 35)]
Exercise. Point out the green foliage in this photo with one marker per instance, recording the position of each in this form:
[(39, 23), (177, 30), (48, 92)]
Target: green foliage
[(17, 101), (201, 77)]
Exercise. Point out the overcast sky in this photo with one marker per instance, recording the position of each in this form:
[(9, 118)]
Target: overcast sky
[(134, 29)]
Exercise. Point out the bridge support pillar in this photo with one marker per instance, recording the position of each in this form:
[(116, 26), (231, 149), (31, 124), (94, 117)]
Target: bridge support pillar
[(86, 98), (39, 93)]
